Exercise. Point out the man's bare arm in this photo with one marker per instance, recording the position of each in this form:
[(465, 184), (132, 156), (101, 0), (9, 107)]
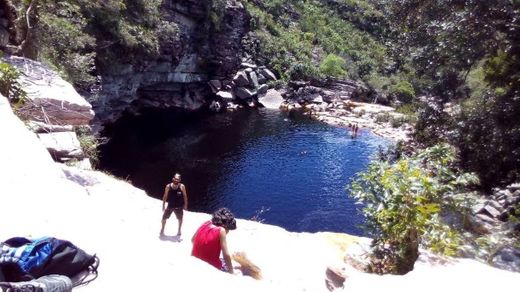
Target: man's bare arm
[(165, 196), (185, 194)]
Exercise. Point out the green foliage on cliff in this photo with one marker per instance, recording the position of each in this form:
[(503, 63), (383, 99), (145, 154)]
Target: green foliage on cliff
[(333, 66), (9, 84), (80, 37), (216, 12), (64, 43), (403, 91), (89, 144), (403, 201), (306, 32)]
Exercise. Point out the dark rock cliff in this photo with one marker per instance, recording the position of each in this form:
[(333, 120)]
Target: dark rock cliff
[(202, 49)]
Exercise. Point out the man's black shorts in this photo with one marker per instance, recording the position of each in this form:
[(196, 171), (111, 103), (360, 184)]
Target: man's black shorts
[(168, 212)]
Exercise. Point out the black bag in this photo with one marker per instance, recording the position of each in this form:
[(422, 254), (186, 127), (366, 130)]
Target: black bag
[(22, 259)]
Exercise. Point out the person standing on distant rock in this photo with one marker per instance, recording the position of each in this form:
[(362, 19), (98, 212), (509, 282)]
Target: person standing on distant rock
[(177, 198), (210, 240), (354, 130)]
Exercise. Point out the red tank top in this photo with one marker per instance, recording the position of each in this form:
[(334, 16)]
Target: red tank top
[(206, 245)]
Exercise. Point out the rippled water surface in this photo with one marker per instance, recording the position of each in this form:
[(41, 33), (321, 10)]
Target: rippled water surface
[(247, 161)]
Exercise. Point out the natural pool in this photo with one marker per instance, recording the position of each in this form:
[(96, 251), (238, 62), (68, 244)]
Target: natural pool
[(248, 161)]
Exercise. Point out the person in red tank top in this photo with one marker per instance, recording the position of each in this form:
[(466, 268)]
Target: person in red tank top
[(210, 240)]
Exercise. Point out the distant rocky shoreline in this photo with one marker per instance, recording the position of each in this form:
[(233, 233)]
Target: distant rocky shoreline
[(335, 104)]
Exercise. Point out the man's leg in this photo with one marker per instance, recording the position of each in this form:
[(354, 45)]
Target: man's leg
[(165, 217), (179, 215), (163, 223)]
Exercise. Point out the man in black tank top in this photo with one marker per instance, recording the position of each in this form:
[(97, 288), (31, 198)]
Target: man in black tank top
[(175, 195)]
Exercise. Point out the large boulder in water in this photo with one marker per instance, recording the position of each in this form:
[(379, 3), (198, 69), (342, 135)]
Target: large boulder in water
[(272, 99)]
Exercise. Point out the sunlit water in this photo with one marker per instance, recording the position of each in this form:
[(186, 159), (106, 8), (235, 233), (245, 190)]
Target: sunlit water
[(248, 161)]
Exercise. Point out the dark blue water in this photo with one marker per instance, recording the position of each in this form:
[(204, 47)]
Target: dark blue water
[(248, 161)]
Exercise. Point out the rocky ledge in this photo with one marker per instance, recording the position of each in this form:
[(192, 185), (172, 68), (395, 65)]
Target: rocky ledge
[(494, 225), (52, 109), (334, 103)]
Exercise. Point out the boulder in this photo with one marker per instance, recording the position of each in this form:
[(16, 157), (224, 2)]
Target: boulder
[(492, 211), (485, 218), (62, 145), (254, 79), (215, 85), (272, 99), (495, 205), (507, 258), (248, 65), (268, 74), (335, 278), (261, 79), (50, 99), (225, 95), (241, 79), (244, 93), (318, 99), (504, 216), (480, 224), (262, 90), (514, 187), (478, 208)]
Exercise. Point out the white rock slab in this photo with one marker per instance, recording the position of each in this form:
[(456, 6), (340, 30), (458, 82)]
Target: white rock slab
[(62, 144), (272, 99)]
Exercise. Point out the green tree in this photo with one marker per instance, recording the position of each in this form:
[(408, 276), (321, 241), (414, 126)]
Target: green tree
[(333, 65), (403, 91), (402, 204), (448, 41)]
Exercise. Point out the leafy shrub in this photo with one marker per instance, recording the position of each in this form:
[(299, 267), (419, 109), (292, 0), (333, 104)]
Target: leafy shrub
[(89, 144), (9, 84), (333, 66), (360, 113), (403, 91), (402, 202), (380, 83), (383, 117), (397, 122), (217, 12), (476, 82), (304, 71), (277, 84), (433, 124)]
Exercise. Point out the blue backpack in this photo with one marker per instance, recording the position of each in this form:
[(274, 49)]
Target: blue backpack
[(23, 259)]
